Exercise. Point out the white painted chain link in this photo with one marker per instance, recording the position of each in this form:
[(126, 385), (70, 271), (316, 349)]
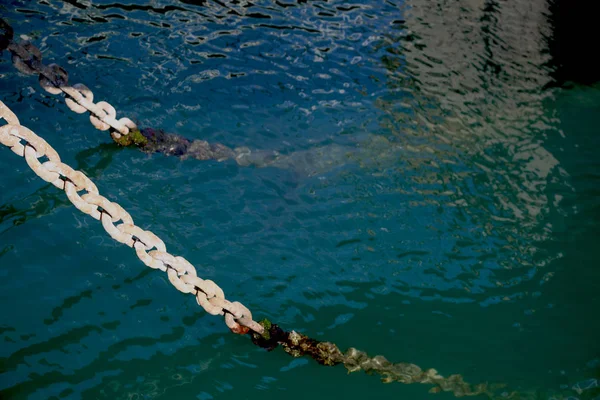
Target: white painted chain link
[(149, 248), (27, 58)]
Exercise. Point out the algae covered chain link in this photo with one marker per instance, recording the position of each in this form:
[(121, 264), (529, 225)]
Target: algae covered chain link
[(27, 58), (150, 248)]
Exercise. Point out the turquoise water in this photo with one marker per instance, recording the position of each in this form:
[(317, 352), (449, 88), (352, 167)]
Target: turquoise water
[(438, 202)]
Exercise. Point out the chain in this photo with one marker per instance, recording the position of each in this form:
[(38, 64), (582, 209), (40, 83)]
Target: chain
[(27, 58), (148, 247)]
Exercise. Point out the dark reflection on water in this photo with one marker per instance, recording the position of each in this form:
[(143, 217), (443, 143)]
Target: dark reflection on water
[(432, 152), (572, 24)]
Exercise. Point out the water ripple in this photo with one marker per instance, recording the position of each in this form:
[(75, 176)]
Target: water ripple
[(436, 170)]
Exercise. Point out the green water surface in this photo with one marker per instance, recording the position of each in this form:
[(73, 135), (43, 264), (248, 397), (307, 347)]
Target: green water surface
[(437, 199)]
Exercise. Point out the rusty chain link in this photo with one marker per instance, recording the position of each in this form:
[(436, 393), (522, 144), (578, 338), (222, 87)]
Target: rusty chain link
[(150, 249), (27, 58)]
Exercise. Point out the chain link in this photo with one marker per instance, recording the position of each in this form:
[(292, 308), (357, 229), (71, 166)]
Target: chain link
[(27, 58), (150, 249)]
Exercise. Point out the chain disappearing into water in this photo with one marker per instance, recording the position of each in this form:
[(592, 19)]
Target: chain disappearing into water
[(27, 58), (181, 273), (152, 251)]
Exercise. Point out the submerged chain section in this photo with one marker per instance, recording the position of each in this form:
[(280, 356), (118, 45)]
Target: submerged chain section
[(150, 249), (327, 353)]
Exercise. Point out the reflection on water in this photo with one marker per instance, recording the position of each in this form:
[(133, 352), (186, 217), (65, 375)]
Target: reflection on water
[(444, 162), (474, 119)]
